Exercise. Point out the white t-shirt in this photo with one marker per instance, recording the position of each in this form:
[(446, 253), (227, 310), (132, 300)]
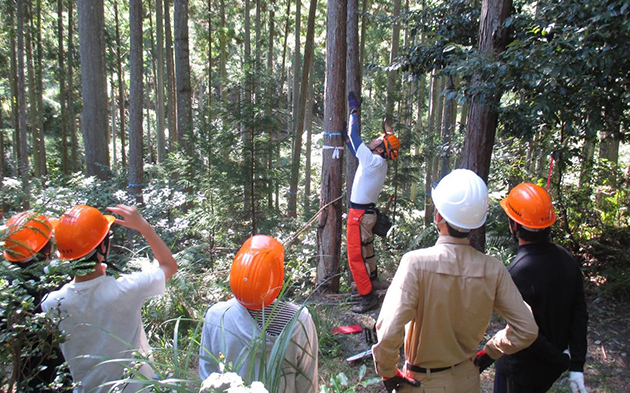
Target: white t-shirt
[(369, 178), (229, 329), (102, 319)]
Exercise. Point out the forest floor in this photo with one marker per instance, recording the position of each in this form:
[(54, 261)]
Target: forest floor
[(607, 363)]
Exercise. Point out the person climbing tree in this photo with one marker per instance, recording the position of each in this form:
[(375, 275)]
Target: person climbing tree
[(362, 212)]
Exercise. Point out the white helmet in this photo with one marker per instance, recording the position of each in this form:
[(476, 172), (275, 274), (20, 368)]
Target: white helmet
[(461, 198)]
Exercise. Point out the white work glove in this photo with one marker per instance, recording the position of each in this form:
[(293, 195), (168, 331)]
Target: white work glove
[(576, 381)]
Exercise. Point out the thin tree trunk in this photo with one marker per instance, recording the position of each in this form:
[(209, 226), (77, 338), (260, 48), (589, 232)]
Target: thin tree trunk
[(309, 141), (182, 78), (94, 85), (296, 64), (272, 98), (353, 79), (13, 80), (483, 115), (329, 226), (121, 90), (392, 75), (32, 93), (136, 99), (24, 166), (300, 109), (247, 130), (364, 23), (161, 120), (170, 81), (74, 143), (222, 53), (114, 110), (447, 129), (430, 149), (65, 167), (40, 94)]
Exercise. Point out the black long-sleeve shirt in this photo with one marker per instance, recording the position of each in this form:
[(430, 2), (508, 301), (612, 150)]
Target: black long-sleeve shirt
[(551, 282)]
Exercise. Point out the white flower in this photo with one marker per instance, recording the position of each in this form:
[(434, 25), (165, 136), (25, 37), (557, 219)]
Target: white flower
[(258, 387), (221, 381)]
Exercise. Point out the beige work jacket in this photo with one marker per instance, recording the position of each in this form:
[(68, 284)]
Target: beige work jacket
[(441, 300)]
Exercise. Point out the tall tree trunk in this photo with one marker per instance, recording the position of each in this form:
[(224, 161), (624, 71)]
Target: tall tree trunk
[(136, 99), (170, 81), (392, 75), (329, 226), (43, 170), (271, 97), (300, 110), (483, 114), (247, 130), (24, 166), (13, 80), (113, 109), (222, 53), (65, 167), (121, 89), (364, 23), (353, 79), (182, 78), (74, 143), (161, 120), (94, 86), (296, 64), (308, 123), (434, 88), (32, 93), (447, 128)]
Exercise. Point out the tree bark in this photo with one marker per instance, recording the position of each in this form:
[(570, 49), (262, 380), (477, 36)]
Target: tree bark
[(182, 77), (94, 86), (272, 98), (309, 139), (296, 64), (483, 114), (13, 80), (392, 75), (170, 81), (43, 170), (32, 93), (24, 165), (353, 79), (74, 144), (300, 110), (121, 89), (222, 53), (447, 128), (136, 99), (329, 226), (248, 131), (65, 167), (161, 120)]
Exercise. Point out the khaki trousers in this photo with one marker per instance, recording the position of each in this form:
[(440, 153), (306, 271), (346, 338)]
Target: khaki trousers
[(463, 378)]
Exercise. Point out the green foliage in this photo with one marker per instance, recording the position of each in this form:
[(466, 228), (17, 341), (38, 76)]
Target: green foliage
[(340, 383)]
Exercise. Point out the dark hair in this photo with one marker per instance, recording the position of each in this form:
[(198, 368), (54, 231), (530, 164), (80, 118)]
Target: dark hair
[(455, 233), (541, 236)]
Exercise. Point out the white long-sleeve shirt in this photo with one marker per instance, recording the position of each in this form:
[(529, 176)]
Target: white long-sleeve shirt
[(230, 330)]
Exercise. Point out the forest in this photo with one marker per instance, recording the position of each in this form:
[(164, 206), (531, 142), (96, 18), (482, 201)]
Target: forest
[(223, 120)]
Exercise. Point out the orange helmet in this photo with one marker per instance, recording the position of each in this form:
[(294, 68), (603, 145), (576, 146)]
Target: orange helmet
[(392, 144), (258, 272), (529, 205), (27, 235), (80, 230)]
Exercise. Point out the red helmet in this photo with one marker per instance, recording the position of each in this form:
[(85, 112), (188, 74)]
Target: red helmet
[(529, 205), (80, 230), (257, 272), (27, 235)]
